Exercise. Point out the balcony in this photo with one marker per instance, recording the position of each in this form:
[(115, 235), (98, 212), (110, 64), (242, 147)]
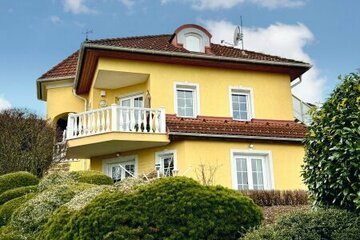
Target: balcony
[(114, 129)]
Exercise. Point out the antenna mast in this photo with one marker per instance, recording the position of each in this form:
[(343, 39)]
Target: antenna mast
[(241, 33), (87, 32)]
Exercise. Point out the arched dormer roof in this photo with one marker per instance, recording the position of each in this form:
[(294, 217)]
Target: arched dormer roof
[(192, 37)]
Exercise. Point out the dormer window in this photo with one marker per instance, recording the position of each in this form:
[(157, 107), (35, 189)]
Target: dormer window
[(193, 38), (193, 42)]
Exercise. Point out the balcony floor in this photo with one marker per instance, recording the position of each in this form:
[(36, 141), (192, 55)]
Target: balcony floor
[(113, 142)]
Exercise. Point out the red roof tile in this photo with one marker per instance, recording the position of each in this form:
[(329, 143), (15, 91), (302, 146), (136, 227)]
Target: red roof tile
[(160, 43), (227, 126)]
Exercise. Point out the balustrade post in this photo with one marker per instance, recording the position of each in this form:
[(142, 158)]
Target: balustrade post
[(70, 126), (114, 121), (162, 120)]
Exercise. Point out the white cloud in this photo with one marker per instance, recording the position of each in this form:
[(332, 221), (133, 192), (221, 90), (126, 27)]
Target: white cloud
[(128, 3), (225, 4), (282, 40), (77, 7), (55, 19), (4, 104)]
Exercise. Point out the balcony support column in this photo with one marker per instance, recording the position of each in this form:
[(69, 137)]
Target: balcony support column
[(114, 115)]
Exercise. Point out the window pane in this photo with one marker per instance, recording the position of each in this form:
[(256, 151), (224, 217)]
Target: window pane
[(242, 174), (168, 164), (239, 106), (130, 170), (257, 173), (192, 43), (185, 103), (116, 173)]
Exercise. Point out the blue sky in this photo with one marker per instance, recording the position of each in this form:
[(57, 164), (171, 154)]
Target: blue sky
[(35, 35)]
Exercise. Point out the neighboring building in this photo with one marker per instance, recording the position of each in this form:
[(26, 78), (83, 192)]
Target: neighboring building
[(177, 102)]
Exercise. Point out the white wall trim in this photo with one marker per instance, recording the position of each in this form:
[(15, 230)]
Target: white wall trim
[(196, 100), (59, 84), (265, 153), (251, 104), (129, 95)]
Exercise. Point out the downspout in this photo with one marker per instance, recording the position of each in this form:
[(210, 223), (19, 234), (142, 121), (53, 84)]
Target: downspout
[(297, 83), (82, 98)]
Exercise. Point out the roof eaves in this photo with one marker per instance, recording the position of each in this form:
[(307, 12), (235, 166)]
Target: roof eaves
[(241, 137)]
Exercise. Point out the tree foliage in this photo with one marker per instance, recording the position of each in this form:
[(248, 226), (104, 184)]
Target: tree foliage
[(332, 158), (26, 142)]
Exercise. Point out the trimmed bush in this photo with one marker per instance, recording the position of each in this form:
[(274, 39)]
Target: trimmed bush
[(63, 178), (7, 209), (93, 177), (33, 214), (278, 198), (15, 193), (167, 208), (17, 179), (329, 224)]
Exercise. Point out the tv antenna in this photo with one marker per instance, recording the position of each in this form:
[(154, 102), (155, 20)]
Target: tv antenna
[(239, 35), (87, 32)]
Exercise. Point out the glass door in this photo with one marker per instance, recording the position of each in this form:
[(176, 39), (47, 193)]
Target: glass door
[(121, 170), (130, 117)]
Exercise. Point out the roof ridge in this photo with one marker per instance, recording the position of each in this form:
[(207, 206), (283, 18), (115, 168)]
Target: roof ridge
[(57, 65), (127, 38)]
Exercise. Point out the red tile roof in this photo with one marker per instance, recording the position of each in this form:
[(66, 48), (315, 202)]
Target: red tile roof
[(67, 68), (227, 126)]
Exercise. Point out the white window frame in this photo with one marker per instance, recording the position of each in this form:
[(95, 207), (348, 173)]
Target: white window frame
[(196, 100), (268, 170), (122, 159), (250, 101), (158, 156)]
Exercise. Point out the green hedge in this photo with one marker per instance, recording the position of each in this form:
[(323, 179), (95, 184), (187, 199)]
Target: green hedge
[(328, 224), (93, 177), (61, 178), (16, 192), (278, 197), (17, 179), (168, 208), (8, 208)]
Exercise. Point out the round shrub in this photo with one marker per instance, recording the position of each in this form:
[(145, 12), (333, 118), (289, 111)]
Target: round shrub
[(17, 179), (61, 178), (33, 214), (15, 193), (92, 177), (7, 209), (331, 164), (167, 208), (329, 224)]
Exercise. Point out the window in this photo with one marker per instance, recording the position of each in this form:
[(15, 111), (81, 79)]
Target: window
[(186, 102), (252, 171), (192, 43), (120, 168), (135, 101), (241, 104), (166, 162)]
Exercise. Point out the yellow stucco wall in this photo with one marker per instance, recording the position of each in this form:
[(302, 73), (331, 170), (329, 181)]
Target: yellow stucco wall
[(272, 93), (190, 154), (61, 100)]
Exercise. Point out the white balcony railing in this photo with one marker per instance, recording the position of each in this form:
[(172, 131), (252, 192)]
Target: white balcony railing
[(301, 110), (116, 119)]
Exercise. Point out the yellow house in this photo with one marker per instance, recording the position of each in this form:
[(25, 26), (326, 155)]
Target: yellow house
[(178, 104)]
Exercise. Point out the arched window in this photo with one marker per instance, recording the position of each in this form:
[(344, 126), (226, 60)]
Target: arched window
[(193, 43)]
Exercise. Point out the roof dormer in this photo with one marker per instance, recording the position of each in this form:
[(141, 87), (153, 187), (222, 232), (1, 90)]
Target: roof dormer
[(193, 38)]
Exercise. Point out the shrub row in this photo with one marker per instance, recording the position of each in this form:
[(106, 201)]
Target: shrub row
[(17, 179), (167, 208), (7, 209), (277, 197), (15, 193), (329, 224)]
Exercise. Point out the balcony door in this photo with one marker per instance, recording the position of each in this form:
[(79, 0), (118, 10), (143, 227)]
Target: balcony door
[(130, 117)]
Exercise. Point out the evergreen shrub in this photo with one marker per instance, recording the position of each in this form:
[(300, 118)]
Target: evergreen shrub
[(17, 179), (322, 224), (16, 192), (167, 208)]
